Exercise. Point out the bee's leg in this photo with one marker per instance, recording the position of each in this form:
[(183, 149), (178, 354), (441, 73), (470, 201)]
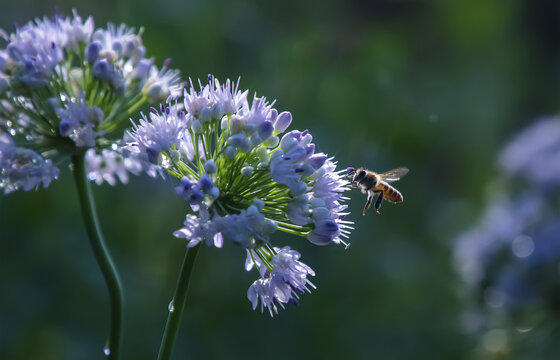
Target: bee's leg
[(368, 202), (378, 201), (354, 186)]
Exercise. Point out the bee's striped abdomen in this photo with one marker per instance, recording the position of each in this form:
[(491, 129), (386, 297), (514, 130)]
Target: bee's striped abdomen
[(391, 194)]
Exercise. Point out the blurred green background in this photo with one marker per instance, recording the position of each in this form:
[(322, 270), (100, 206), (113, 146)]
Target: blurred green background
[(438, 86)]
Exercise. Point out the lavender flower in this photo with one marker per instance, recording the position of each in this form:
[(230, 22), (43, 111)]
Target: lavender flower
[(509, 260), (23, 168), (56, 106), (244, 183), (533, 154), (283, 285)]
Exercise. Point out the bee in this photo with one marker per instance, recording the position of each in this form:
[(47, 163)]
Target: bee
[(373, 183)]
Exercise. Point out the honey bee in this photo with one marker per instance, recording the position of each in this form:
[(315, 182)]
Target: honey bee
[(373, 183)]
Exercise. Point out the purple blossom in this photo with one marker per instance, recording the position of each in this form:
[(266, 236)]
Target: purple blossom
[(287, 281), (534, 154), (78, 122), (22, 168), (159, 133), (200, 228)]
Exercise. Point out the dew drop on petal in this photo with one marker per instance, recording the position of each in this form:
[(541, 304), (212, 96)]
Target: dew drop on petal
[(171, 306)]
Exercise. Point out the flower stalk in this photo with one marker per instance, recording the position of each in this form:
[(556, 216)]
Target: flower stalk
[(177, 305), (102, 256)]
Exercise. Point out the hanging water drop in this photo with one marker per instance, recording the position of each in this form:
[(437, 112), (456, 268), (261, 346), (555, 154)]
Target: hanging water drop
[(107, 350), (171, 307)]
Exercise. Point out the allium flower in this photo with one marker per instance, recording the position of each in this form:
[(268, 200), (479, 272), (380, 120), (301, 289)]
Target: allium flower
[(509, 260), (243, 182), (281, 285), (66, 88)]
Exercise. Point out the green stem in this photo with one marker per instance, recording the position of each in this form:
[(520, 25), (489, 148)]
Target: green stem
[(102, 256), (178, 305)]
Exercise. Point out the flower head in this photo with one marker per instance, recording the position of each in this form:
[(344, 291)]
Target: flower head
[(243, 182), (57, 106), (509, 260)]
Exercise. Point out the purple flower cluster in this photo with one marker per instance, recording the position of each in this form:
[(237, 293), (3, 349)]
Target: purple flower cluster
[(243, 182), (23, 168), (284, 284), (509, 260), (47, 97)]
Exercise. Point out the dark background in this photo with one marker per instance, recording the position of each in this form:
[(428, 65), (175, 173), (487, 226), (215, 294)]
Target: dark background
[(438, 86)]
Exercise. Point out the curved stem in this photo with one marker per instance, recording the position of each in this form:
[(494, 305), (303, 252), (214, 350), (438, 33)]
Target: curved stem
[(102, 256), (177, 306)]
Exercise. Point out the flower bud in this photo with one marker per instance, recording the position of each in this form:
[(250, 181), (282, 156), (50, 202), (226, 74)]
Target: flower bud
[(317, 160), (102, 69), (306, 139), (321, 213), (196, 196), (205, 115), (247, 171), (236, 124), (210, 167), (142, 69), (283, 121), (265, 129), (197, 126), (65, 127), (118, 48), (218, 111), (230, 152), (317, 202), (224, 124), (92, 51), (205, 183), (273, 115), (236, 140), (214, 193), (272, 142), (324, 232)]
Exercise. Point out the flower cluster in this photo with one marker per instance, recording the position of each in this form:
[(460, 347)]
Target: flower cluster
[(66, 87), (23, 168), (243, 182), (509, 261)]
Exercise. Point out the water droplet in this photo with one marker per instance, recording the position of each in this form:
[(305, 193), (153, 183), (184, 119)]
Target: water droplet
[(106, 350), (171, 307)]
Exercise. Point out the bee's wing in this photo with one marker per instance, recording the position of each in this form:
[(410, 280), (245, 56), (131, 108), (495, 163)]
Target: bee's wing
[(394, 175)]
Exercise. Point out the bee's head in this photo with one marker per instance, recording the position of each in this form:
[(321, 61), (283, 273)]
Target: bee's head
[(359, 174)]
